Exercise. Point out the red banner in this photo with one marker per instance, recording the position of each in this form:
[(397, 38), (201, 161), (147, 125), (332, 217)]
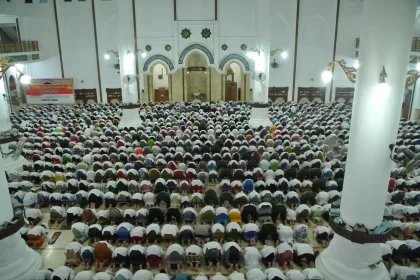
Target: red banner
[(43, 89)]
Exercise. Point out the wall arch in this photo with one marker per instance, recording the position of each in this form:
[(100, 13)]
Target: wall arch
[(198, 47), (158, 58), (236, 58)]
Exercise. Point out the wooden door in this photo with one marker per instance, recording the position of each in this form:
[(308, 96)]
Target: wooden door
[(231, 91), (161, 95)]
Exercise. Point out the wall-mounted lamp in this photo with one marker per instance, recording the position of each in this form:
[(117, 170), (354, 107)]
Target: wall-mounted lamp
[(350, 72), (130, 54), (383, 76), (107, 55), (283, 54), (253, 52)]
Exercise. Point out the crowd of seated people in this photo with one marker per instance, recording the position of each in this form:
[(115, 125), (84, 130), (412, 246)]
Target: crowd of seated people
[(194, 182)]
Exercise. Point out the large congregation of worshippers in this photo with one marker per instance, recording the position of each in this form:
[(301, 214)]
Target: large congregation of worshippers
[(195, 193)]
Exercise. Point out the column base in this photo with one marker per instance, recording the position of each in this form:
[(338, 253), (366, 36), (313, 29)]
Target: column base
[(344, 260), (18, 260), (130, 118), (259, 117)]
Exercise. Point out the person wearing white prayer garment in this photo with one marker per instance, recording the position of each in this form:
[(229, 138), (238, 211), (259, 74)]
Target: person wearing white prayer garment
[(322, 198), (236, 275), (294, 274), (123, 232), (386, 253), (80, 232), (255, 274), (57, 214), (193, 255), (212, 254), (33, 215), (322, 235), (138, 235), (84, 275), (402, 273), (143, 274), (274, 273), (312, 274), (74, 214), (37, 234), (218, 276), (103, 276), (124, 274), (174, 257), (303, 255), (285, 233), (62, 273), (268, 255), (232, 255), (252, 258), (119, 258), (250, 232), (72, 253), (87, 256), (162, 276), (154, 256), (285, 255), (169, 233)]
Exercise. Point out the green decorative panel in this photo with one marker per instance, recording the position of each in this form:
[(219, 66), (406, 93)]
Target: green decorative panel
[(148, 48), (243, 47), (206, 33), (168, 48), (24, 57), (224, 47), (196, 47), (186, 33), (237, 57), (161, 57)]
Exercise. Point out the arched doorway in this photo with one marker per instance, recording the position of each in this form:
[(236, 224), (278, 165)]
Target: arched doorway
[(160, 83), (233, 83), (196, 75)]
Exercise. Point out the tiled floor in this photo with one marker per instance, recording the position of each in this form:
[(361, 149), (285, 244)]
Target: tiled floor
[(53, 255)]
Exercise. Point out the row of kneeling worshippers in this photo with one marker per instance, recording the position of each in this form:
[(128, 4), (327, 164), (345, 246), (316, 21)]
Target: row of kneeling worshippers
[(66, 273)]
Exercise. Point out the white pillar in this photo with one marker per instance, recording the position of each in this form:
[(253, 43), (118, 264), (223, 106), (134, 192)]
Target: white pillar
[(17, 259), (259, 116), (262, 39), (386, 30), (5, 124), (126, 44)]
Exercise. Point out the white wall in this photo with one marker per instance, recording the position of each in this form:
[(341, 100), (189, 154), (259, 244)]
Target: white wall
[(78, 43), (237, 18), (106, 28), (36, 22), (156, 27), (316, 42), (157, 70), (283, 29), (195, 10), (7, 19), (348, 32)]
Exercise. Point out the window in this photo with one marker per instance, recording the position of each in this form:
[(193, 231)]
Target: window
[(28, 1), (43, 1), (67, 0)]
